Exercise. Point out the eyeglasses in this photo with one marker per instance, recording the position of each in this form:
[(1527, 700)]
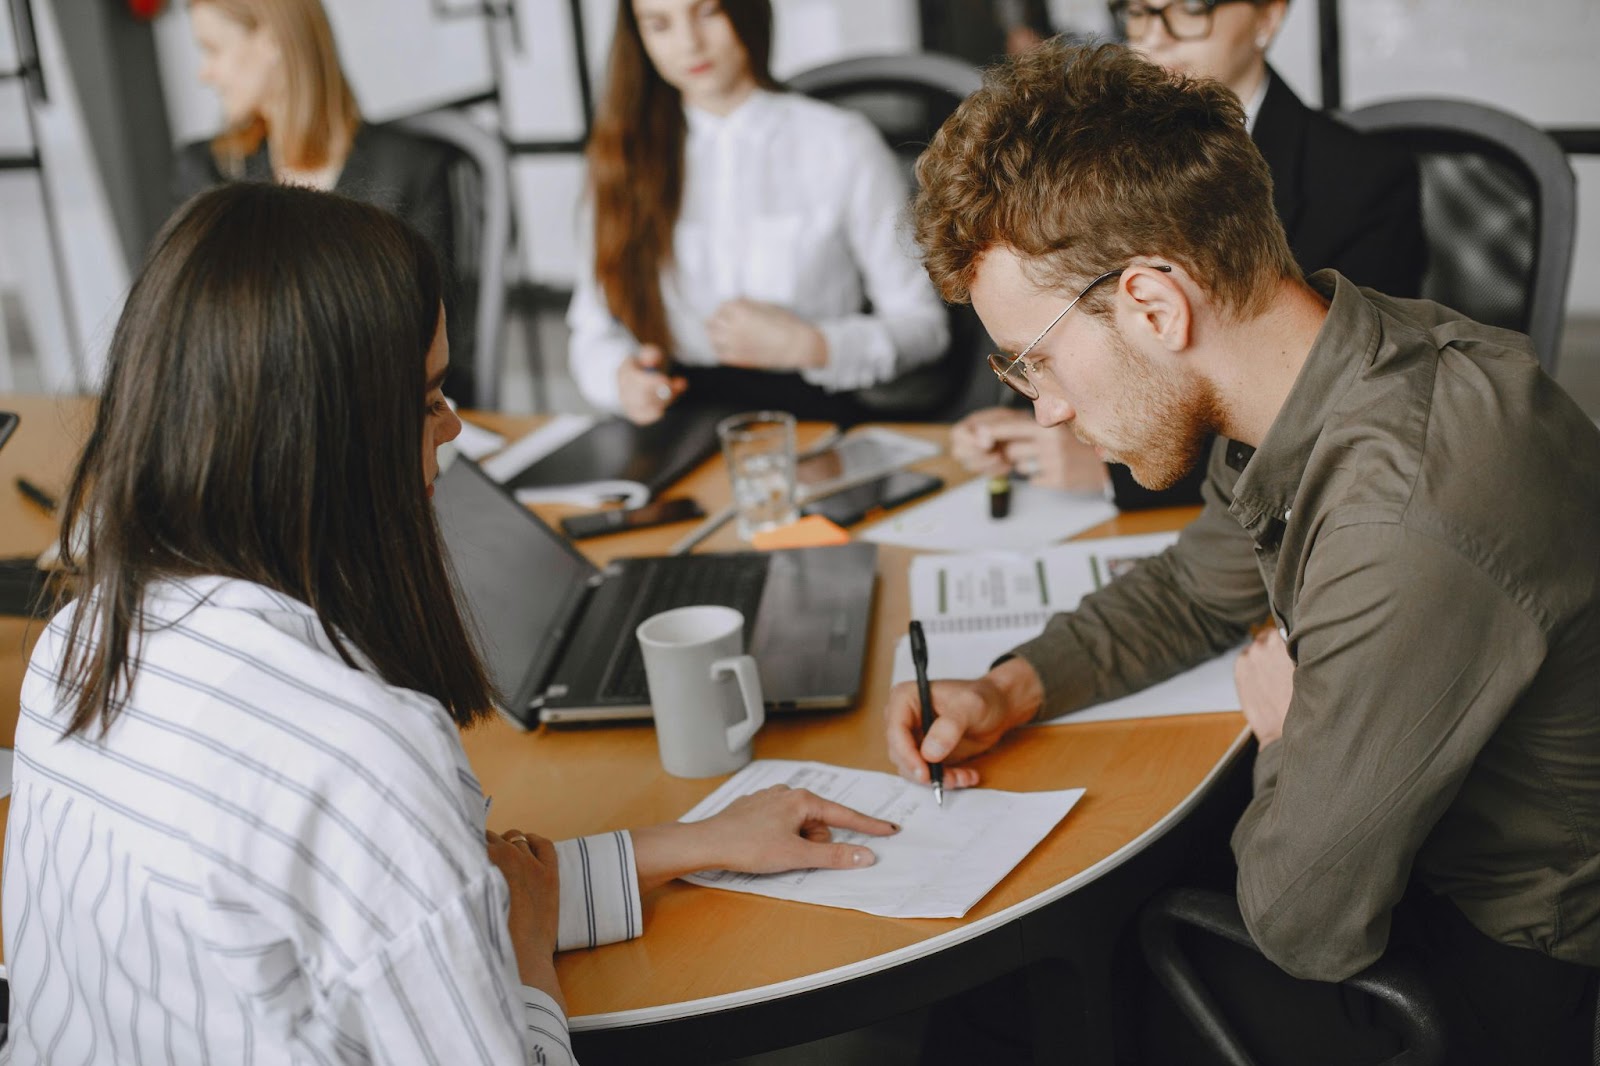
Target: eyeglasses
[(1184, 20), (1014, 370)]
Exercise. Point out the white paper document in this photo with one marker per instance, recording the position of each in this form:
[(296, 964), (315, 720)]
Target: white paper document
[(531, 447), (475, 442), (958, 520), (941, 863), (975, 608)]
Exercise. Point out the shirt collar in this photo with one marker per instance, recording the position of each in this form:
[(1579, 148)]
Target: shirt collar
[(172, 599), (1252, 106), (705, 124), (1347, 341)]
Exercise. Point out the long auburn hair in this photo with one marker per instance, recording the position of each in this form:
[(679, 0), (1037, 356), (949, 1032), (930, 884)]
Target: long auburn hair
[(262, 419), (635, 158), (320, 113)]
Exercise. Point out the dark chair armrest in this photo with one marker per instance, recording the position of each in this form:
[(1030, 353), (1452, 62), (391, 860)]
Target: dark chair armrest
[(1392, 980)]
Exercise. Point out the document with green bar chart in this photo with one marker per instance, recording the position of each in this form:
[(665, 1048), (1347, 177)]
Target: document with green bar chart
[(975, 607)]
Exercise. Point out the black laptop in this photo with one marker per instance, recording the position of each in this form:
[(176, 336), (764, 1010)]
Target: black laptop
[(557, 633)]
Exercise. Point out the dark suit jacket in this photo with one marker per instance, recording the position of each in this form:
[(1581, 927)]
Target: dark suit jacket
[(1346, 201), (388, 168)]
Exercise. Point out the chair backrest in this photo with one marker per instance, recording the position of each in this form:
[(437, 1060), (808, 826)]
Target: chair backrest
[(908, 97), (1499, 206), (480, 199)]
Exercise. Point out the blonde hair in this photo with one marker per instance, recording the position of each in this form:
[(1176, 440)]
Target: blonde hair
[(320, 115)]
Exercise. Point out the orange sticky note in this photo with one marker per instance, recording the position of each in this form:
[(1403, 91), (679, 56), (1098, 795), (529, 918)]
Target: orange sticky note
[(812, 531)]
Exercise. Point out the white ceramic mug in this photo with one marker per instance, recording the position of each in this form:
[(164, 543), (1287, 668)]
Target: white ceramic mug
[(706, 694)]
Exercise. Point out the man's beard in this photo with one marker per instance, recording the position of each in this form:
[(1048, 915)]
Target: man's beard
[(1168, 420)]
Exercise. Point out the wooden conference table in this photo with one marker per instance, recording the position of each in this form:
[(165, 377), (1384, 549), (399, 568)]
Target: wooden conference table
[(719, 974)]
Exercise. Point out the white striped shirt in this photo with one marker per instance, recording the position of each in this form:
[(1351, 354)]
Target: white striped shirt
[(271, 857)]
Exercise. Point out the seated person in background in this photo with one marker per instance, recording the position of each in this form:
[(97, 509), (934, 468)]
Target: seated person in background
[(1407, 497), (1347, 202), (734, 231), (289, 116), (243, 826)]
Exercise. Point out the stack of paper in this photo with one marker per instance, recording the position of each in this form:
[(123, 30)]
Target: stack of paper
[(943, 860), (975, 608)]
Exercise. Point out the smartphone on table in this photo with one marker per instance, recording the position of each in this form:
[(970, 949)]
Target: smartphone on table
[(852, 505), (618, 520)]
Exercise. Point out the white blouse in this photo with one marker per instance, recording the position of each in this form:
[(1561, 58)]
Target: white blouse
[(788, 201), (271, 857)]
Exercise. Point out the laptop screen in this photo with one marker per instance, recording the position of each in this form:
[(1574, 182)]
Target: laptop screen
[(519, 580)]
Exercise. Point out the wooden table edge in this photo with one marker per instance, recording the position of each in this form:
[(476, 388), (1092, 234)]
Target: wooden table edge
[(923, 948)]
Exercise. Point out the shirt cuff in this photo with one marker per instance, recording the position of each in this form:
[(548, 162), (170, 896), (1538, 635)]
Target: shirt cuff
[(860, 354), (1065, 673), (547, 1028), (599, 891)]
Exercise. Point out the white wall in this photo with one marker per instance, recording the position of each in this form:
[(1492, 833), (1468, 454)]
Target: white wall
[(70, 330)]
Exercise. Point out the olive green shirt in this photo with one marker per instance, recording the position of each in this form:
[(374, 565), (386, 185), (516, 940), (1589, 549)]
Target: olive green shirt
[(1422, 522)]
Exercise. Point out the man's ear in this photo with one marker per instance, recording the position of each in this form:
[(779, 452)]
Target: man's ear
[(1155, 306)]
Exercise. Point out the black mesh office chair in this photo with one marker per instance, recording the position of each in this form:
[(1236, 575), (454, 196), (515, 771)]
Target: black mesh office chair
[(1498, 210), (908, 97), (480, 198)]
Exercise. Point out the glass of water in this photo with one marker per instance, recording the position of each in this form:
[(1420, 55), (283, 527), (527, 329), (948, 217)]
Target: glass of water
[(759, 450)]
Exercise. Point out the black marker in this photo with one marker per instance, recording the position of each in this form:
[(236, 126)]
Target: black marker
[(999, 495)]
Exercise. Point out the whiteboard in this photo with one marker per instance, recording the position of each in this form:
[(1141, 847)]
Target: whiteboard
[(1536, 58)]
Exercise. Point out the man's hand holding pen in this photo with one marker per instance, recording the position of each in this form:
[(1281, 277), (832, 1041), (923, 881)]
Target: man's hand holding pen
[(970, 717)]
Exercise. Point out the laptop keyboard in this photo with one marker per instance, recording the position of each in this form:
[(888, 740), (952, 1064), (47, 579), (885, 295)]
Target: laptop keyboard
[(730, 581)]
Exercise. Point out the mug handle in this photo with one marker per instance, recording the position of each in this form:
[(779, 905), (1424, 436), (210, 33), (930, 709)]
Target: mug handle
[(743, 668)]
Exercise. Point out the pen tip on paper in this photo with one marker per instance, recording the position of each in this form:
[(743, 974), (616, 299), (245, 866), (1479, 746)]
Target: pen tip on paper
[(938, 793)]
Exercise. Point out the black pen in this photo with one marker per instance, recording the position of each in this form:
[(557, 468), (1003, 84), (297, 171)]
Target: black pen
[(36, 494), (919, 659)]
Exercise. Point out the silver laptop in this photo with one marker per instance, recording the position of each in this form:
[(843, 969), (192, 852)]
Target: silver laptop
[(557, 632)]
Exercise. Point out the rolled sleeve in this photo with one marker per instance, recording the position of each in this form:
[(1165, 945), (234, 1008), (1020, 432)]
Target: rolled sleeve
[(599, 891), (1394, 699)]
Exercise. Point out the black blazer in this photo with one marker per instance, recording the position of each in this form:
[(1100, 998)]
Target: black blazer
[(388, 168), (1346, 201)]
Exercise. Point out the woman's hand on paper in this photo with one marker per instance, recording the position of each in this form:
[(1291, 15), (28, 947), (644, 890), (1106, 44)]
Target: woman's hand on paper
[(762, 336), (970, 717), (528, 863), (766, 832), (1000, 440), (1264, 673), (644, 388)]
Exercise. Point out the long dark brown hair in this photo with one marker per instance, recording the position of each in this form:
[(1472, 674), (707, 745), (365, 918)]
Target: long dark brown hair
[(636, 167), (262, 419)]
